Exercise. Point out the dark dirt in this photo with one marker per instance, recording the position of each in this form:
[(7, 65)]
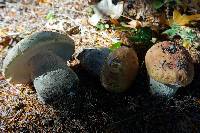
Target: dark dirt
[(92, 108)]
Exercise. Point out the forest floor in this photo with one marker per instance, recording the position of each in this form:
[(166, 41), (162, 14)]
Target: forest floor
[(92, 108)]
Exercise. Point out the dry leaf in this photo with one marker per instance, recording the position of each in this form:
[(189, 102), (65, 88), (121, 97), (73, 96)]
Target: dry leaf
[(3, 32), (183, 19), (92, 2), (4, 41), (115, 22), (163, 20), (44, 1), (74, 30), (41, 1), (186, 43), (123, 36), (134, 24)]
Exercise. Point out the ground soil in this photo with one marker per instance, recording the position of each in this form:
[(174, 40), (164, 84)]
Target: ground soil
[(91, 108)]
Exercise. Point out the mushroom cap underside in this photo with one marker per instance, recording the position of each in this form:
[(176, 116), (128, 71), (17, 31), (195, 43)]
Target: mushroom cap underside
[(15, 65), (169, 63)]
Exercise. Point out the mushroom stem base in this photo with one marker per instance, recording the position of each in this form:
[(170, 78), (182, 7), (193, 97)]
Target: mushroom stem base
[(52, 78), (55, 85), (163, 90)]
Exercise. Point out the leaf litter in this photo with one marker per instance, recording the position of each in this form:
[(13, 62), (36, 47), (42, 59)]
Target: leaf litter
[(93, 109)]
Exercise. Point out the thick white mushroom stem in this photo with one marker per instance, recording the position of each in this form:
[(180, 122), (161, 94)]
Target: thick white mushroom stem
[(52, 78), (165, 90)]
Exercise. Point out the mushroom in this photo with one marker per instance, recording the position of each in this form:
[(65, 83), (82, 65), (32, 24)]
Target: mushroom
[(41, 58), (169, 67), (119, 70), (92, 59)]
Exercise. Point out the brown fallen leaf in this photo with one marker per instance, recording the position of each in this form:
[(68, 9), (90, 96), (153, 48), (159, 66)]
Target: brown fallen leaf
[(92, 2), (115, 22), (4, 41), (134, 24), (182, 19), (74, 30), (123, 37), (163, 20), (44, 1)]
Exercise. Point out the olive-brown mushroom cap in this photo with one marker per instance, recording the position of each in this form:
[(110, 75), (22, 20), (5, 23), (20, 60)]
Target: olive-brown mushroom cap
[(119, 69), (16, 63), (169, 63)]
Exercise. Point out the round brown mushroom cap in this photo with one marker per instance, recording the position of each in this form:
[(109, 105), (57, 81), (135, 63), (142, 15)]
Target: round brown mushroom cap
[(119, 69), (169, 63), (15, 65)]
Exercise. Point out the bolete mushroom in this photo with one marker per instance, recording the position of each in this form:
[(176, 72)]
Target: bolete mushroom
[(169, 67), (119, 70), (92, 59), (40, 58)]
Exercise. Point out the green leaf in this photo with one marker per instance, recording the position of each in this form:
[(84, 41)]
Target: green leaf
[(143, 35), (115, 46), (50, 16), (170, 32), (184, 33), (188, 35), (107, 26), (158, 4), (102, 26)]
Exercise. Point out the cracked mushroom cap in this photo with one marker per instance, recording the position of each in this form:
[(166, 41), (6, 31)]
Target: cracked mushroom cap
[(16, 67), (169, 63)]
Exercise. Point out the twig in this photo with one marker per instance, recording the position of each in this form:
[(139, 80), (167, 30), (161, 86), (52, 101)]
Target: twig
[(127, 17)]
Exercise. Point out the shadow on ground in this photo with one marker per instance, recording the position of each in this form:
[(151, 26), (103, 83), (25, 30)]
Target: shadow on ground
[(93, 109)]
